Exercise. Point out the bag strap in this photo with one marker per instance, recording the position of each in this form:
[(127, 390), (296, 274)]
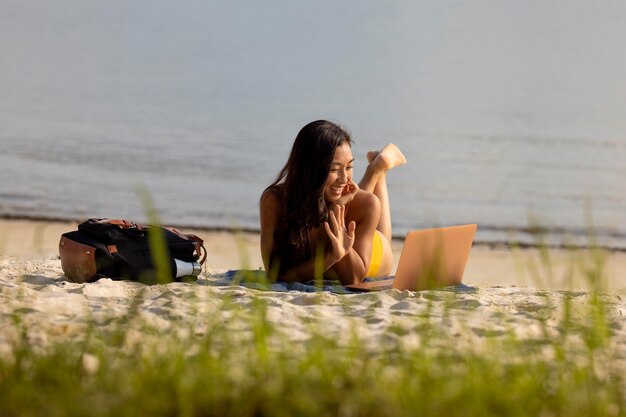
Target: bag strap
[(200, 249)]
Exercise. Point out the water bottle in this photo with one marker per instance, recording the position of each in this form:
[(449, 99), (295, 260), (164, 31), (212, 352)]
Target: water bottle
[(186, 269)]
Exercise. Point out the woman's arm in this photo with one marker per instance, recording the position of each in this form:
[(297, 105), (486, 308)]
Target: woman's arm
[(341, 239), (365, 211), (268, 213)]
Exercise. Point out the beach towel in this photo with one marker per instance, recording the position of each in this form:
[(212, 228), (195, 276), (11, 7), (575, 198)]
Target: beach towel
[(257, 279)]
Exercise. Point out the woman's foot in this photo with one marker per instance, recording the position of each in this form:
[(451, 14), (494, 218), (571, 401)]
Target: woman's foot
[(389, 157)]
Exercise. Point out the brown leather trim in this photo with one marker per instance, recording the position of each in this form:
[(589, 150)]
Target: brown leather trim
[(126, 224), (123, 223), (177, 233), (77, 260), (112, 249), (196, 238), (200, 249)]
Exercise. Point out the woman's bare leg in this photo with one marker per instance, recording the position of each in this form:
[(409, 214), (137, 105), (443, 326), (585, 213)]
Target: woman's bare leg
[(375, 181)]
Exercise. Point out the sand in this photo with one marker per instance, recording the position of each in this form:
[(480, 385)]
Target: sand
[(513, 292)]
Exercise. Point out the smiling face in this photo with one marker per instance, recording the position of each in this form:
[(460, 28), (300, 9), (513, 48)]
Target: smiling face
[(340, 173)]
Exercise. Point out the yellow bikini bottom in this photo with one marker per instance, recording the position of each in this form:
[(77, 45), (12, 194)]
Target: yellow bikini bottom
[(377, 255)]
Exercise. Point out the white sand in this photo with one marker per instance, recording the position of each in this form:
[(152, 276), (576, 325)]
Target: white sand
[(32, 286)]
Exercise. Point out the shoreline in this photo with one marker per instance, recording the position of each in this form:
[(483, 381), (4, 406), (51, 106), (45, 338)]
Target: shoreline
[(26, 240)]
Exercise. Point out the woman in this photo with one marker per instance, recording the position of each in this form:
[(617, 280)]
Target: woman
[(315, 219)]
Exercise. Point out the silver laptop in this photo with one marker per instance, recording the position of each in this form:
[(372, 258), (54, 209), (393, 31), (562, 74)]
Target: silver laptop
[(430, 258)]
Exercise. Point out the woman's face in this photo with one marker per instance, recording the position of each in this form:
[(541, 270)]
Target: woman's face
[(340, 173)]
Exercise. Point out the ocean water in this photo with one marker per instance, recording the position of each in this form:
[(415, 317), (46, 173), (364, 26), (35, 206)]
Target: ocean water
[(511, 114)]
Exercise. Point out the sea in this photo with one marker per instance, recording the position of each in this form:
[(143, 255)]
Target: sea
[(511, 114)]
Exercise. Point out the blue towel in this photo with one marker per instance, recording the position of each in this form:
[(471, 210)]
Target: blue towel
[(257, 279)]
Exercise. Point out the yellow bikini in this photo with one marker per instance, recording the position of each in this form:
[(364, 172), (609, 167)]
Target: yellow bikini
[(377, 255)]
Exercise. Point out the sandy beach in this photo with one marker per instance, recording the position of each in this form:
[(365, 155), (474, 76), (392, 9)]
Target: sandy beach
[(510, 293), (503, 298)]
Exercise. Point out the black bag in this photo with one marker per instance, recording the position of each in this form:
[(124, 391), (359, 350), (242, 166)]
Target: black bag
[(119, 249)]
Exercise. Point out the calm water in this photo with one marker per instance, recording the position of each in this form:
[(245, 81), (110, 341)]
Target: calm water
[(510, 113)]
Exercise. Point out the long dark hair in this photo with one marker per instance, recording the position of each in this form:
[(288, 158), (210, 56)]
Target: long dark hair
[(299, 188)]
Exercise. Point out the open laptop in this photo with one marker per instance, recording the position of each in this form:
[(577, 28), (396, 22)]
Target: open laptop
[(430, 258)]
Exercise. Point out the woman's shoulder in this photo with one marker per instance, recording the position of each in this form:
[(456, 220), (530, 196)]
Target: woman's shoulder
[(365, 202), (272, 194), (363, 197), (269, 205)]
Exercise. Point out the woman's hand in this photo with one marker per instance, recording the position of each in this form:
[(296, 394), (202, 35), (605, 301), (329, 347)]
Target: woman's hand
[(349, 191), (341, 237)]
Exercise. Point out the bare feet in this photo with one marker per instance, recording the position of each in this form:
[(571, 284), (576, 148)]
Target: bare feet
[(371, 155), (389, 157)]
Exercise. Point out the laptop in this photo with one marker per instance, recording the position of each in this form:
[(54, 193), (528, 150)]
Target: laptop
[(430, 258)]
